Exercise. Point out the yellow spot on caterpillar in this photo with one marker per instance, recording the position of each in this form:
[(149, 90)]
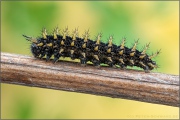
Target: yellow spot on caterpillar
[(109, 50), (131, 61), (121, 60), (40, 44), (55, 46), (96, 57), (121, 52), (61, 50), (62, 42), (96, 48), (84, 45), (50, 44), (109, 58), (142, 56), (151, 65), (141, 63), (132, 54), (83, 54), (72, 51), (72, 43)]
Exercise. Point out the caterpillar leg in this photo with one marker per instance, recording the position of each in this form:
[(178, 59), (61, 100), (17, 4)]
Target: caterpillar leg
[(110, 62), (96, 61), (48, 57), (83, 59), (56, 57), (72, 54), (49, 53), (83, 62), (96, 64), (121, 63), (146, 69), (123, 67), (42, 55), (144, 66)]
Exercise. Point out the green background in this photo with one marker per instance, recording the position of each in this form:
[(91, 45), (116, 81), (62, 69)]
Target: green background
[(154, 22)]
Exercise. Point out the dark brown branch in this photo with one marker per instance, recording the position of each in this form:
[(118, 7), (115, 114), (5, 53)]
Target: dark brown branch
[(70, 76)]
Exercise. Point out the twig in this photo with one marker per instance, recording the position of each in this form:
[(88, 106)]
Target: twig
[(70, 76)]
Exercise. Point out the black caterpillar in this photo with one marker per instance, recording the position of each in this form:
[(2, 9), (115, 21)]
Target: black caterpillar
[(97, 52)]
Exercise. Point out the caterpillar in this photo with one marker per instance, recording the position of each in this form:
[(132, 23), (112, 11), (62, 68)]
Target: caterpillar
[(87, 50)]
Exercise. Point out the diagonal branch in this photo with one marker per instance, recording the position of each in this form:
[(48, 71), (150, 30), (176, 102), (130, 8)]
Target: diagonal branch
[(70, 76)]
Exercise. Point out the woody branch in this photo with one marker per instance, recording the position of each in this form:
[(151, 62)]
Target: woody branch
[(136, 85)]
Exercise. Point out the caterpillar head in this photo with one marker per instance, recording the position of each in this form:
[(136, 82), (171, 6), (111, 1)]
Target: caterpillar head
[(35, 50)]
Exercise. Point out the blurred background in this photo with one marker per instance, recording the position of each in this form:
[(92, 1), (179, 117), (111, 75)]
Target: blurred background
[(150, 21)]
